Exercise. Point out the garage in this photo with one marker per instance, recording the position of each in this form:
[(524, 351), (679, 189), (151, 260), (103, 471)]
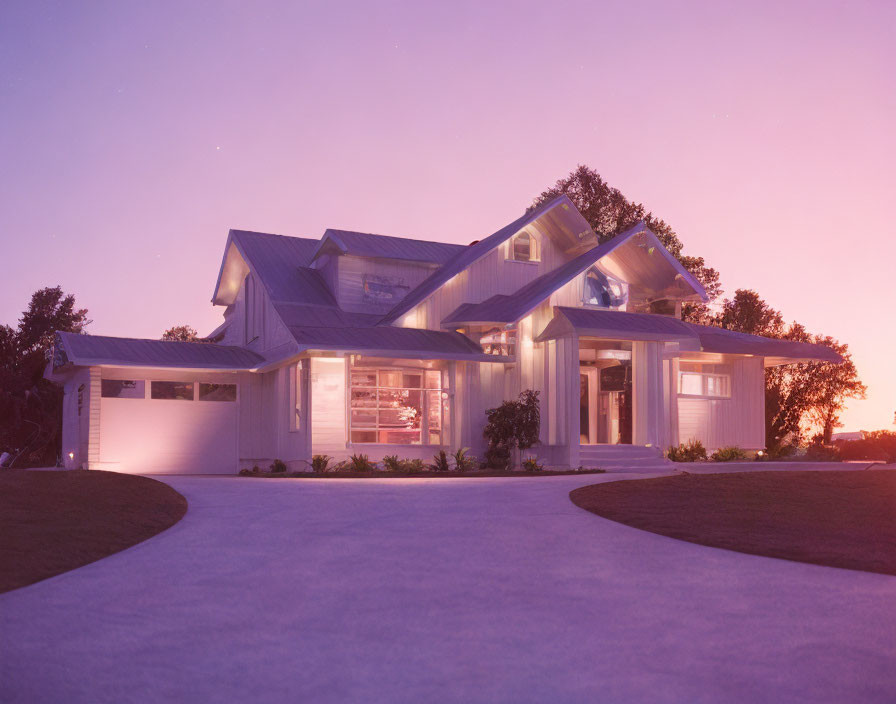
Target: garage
[(170, 425)]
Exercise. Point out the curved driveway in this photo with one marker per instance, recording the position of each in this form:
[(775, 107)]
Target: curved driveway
[(428, 590)]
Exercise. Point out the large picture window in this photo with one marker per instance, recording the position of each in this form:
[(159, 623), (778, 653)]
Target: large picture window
[(396, 406), (604, 291)]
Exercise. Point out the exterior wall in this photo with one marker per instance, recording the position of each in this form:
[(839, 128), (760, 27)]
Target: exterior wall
[(76, 426), (738, 420), (349, 288)]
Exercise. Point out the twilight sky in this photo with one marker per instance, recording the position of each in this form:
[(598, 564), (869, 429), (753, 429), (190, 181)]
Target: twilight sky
[(133, 135)]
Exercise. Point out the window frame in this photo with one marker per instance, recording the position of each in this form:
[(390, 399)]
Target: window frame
[(200, 384), (706, 377), (137, 382), (534, 248), (153, 382), (427, 392)]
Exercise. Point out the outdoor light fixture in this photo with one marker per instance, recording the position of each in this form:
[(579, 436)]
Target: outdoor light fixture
[(71, 455), (760, 453)]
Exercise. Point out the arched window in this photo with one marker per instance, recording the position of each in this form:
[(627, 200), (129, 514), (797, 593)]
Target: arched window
[(524, 248), (604, 291)]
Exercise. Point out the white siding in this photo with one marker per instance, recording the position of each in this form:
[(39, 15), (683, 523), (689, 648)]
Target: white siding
[(328, 411), (352, 271)]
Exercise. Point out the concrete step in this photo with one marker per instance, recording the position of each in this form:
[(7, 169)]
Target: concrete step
[(619, 451)]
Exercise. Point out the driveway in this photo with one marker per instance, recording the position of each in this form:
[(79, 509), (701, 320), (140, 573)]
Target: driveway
[(427, 590)]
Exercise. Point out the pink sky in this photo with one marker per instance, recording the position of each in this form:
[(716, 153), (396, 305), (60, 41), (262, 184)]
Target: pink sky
[(134, 135)]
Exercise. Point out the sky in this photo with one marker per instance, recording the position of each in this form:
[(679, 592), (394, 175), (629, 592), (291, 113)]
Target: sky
[(133, 135)]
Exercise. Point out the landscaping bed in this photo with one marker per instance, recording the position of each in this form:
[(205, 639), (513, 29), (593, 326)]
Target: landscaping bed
[(835, 518), (379, 474), (52, 522)]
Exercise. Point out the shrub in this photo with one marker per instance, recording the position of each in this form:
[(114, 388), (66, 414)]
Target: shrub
[(728, 454), (319, 463), (819, 452), (512, 424), (440, 462), (690, 451), (412, 466), (256, 470), (877, 445), (278, 466), (360, 463), (462, 461), (530, 464), (391, 463), (245, 473)]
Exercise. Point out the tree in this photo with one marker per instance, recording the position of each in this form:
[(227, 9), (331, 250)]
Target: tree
[(31, 406), (513, 424), (609, 213), (795, 394), (181, 333)]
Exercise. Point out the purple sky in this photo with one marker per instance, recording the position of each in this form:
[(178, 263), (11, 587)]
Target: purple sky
[(133, 135)]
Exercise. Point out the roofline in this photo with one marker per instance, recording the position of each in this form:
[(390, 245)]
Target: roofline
[(524, 220)]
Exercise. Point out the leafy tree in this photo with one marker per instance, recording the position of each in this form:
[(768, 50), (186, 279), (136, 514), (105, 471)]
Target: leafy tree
[(795, 394), (181, 333), (609, 213), (31, 406)]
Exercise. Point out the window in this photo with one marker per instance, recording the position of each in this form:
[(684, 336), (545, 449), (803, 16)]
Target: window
[(80, 398), (217, 392), (254, 310), (709, 380), (396, 406), (123, 388), (499, 342), (604, 291), (171, 390), (523, 248)]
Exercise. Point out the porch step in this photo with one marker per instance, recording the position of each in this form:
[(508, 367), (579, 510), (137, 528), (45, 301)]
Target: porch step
[(624, 458)]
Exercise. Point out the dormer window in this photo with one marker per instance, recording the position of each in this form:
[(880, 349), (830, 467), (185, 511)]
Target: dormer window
[(524, 248), (604, 291)]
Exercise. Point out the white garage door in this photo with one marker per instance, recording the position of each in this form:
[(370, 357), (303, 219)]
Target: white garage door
[(168, 427)]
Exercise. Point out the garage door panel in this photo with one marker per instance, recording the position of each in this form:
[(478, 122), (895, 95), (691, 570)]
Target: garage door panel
[(167, 436)]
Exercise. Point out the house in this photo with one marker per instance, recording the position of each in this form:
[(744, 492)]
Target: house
[(361, 343)]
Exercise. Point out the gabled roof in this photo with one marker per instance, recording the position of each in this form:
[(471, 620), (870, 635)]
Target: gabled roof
[(617, 325), (319, 316), (94, 350), (508, 309), (364, 244), (424, 344), (467, 257)]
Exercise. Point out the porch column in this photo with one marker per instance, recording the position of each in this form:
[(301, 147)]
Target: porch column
[(647, 393), (568, 385)]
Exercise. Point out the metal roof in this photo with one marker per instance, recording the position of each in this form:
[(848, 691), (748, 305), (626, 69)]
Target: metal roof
[(282, 265), (318, 316), (94, 350), (365, 244), (467, 257), (618, 325), (431, 344), (508, 309)]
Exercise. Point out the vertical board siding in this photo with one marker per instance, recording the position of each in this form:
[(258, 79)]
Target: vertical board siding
[(738, 420), (328, 409)]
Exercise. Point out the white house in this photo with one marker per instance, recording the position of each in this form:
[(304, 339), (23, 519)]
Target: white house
[(383, 345)]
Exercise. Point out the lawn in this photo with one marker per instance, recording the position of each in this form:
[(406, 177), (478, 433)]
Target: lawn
[(841, 519), (52, 522)]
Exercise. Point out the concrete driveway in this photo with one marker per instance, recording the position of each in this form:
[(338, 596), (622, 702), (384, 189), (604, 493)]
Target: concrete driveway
[(432, 590)]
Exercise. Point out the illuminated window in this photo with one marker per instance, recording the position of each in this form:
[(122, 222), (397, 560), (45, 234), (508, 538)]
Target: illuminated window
[(604, 291), (396, 406), (523, 248), (709, 380), (171, 390), (499, 342), (123, 388)]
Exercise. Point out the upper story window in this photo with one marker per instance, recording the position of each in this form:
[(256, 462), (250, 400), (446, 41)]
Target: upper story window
[(604, 291), (524, 248)]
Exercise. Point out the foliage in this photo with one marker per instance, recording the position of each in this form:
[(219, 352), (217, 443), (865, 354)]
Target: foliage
[(690, 451), (877, 445), (319, 463), (795, 394), (819, 452), (463, 461), (728, 454), (412, 466), (278, 466), (440, 462), (360, 463), (513, 424), (31, 406), (391, 463), (609, 213), (181, 333), (530, 464)]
